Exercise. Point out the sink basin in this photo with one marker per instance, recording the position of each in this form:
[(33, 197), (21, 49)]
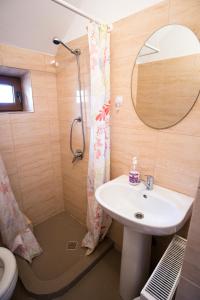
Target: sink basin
[(156, 212), (143, 213)]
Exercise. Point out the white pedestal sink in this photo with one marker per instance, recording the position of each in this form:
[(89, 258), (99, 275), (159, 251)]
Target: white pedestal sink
[(143, 213)]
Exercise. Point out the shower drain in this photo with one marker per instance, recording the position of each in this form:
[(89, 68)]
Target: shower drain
[(139, 215), (72, 245)]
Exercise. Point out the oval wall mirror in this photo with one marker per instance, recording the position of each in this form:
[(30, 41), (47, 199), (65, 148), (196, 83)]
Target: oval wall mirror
[(166, 76)]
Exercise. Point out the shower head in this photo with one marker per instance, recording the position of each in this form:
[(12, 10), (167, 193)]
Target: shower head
[(57, 41)]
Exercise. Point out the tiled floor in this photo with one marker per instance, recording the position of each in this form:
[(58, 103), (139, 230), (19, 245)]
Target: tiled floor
[(101, 283)]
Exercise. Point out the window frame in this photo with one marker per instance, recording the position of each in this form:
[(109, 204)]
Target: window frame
[(15, 82)]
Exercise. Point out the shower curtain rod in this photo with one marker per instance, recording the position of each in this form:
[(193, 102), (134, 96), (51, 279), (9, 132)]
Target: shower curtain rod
[(77, 11)]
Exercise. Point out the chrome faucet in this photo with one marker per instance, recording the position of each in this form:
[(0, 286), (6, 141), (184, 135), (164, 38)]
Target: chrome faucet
[(149, 182)]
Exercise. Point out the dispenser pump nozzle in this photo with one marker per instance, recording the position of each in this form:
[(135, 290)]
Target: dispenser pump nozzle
[(134, 161)]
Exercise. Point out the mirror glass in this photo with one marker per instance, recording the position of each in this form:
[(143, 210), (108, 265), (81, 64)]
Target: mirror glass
[(166, 76)]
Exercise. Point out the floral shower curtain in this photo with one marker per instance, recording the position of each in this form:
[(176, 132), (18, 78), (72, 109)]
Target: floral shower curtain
[(98, 222), (15, 231)]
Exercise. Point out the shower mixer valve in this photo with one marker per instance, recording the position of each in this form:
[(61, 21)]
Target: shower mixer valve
[(79, 119), (78, 155)]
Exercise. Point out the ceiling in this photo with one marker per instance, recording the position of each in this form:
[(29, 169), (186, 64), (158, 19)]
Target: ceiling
[(32, 23)]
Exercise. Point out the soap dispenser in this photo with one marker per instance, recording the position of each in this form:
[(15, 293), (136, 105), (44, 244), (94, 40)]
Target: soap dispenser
[(134, 175)]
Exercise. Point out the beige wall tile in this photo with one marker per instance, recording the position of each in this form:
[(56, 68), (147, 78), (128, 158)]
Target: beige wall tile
[(30, 142), (165, 154), (54, 131), (6, 141), (27, 117), (4, 118), (177, 162), (39, 132), (15, 184), (25, 58), (43, 80), (22, 58), (49, 66), (10, 161), (126, 143)]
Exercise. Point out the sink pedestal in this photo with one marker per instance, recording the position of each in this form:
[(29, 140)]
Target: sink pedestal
[(136, 254)]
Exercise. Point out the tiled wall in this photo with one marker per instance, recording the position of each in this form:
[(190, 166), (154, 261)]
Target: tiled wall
[(74, 176), (166, 154), (30, 142), (189, 287), (171, 155)]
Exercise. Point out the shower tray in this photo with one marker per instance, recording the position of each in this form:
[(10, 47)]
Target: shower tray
[(63, 261)]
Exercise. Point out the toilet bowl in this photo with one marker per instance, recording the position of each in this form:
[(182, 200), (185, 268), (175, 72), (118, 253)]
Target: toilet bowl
[(8, 273)]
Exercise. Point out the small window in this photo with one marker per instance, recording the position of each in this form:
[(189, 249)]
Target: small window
[(10, 94)]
